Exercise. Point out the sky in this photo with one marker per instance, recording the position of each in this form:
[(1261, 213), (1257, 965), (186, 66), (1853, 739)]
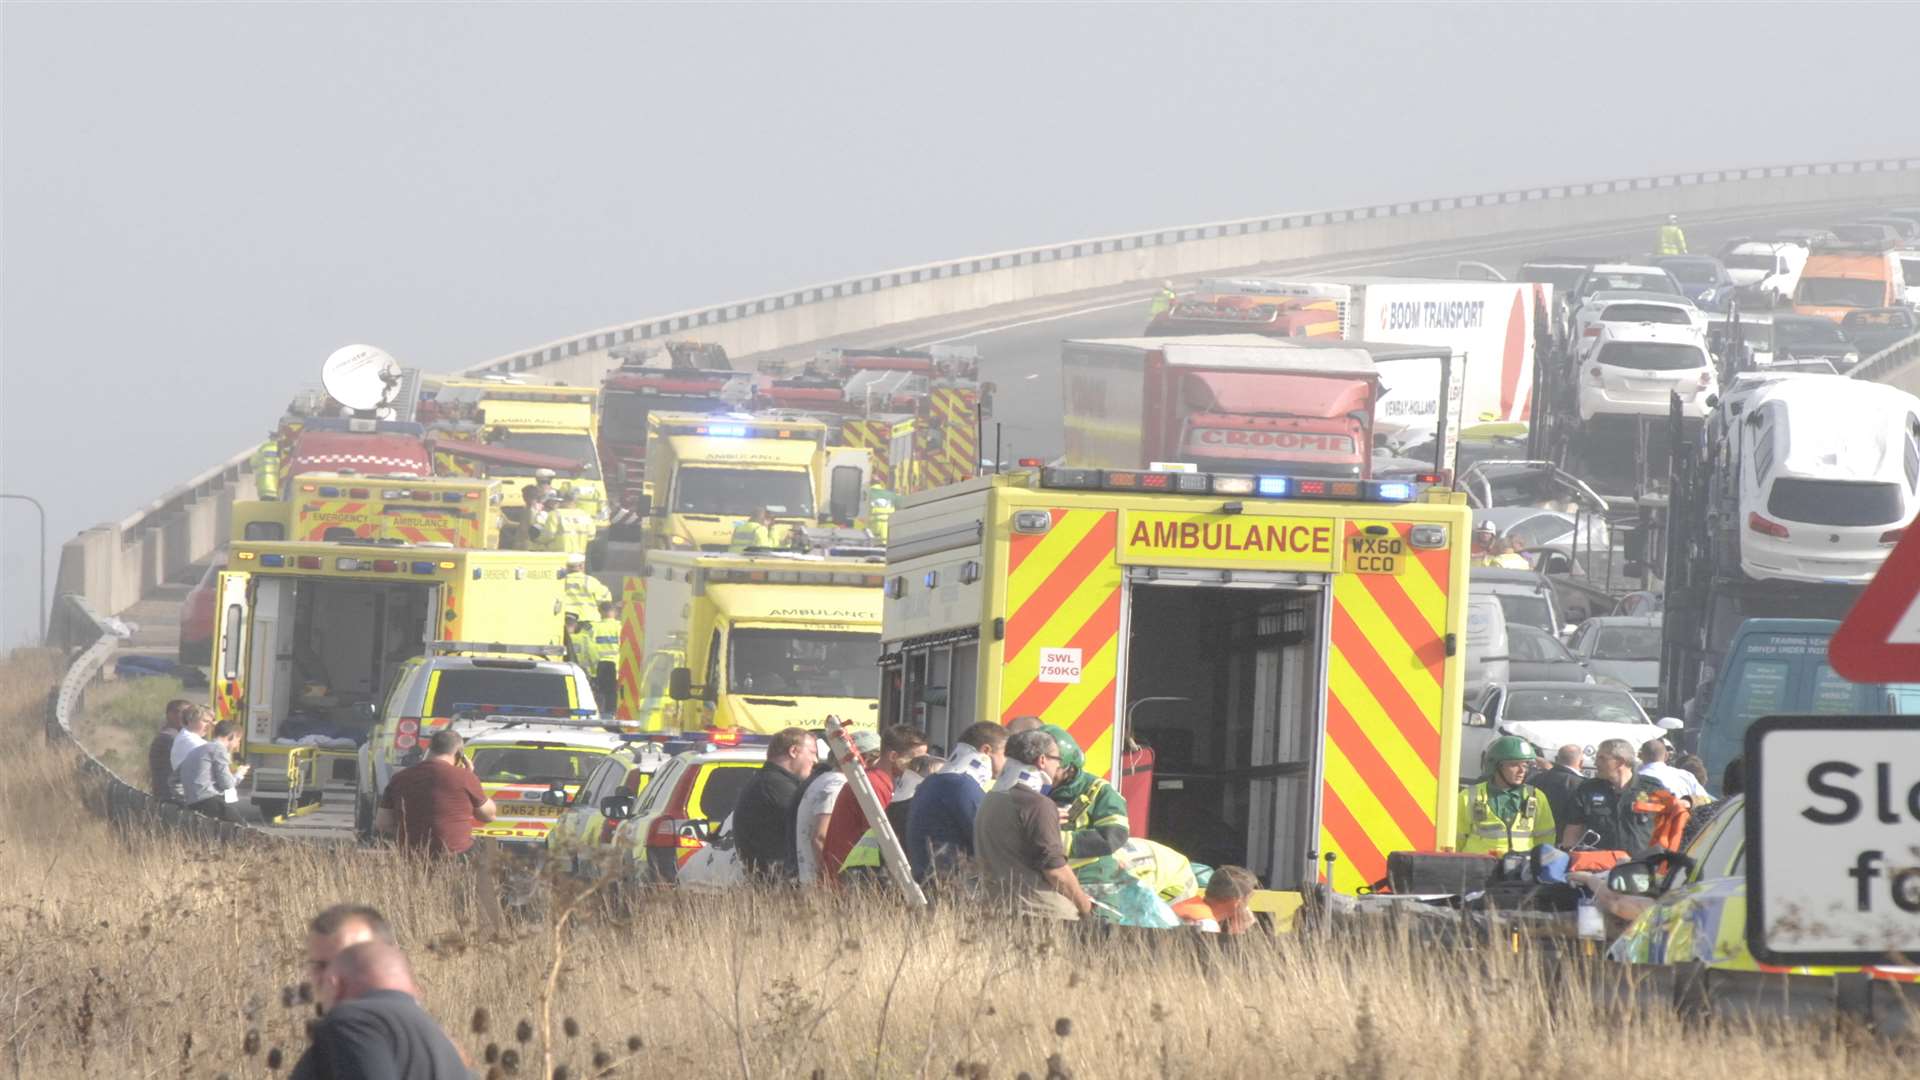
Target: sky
[(198, 202)]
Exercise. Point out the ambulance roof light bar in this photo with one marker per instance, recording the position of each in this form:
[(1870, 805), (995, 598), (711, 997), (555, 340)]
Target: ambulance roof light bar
[(448, 648), (1199, 483)]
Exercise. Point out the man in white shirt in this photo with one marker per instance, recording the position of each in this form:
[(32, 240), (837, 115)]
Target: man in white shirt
[(1653, 764), (193, 735), (816, 808)]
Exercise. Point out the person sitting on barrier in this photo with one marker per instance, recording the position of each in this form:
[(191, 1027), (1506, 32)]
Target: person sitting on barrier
[(160, 778), (209, 777), (195, 722)]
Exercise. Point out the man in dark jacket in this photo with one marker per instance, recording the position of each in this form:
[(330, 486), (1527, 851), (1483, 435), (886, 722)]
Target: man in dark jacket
[(763, 816), (1557, 783), (160, 751), (374, 1025)]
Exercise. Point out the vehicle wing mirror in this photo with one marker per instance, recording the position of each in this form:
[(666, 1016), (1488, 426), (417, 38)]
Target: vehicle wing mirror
[(1475, 718), (556, 795), (617, 807), (680, 684), (1632, 879), (1568, 630), (1671, 723), (843, 497)]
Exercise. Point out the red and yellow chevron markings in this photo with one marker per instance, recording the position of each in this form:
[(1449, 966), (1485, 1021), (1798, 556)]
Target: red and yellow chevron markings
[(1063, 592), (1385, 704)]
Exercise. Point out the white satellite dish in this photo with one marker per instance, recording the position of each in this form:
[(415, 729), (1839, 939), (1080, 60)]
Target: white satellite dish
[(361, 377)]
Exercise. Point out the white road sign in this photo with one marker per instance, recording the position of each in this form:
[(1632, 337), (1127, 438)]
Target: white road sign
[(1833, 839)]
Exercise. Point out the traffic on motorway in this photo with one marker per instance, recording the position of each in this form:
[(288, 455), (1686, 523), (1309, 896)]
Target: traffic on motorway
[(1363, 592)]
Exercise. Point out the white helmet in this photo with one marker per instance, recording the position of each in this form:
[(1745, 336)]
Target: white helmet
[(1673, 219)]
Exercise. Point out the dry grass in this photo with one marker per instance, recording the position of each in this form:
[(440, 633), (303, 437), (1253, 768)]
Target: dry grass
[(136, 955), (121, 717)]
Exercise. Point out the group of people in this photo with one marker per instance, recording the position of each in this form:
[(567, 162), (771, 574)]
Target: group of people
[(553, 519), (190, 761), (1522, 802), (1013, 813), (1489, 549)]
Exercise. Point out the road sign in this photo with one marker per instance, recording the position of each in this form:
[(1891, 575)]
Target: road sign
[(1880, 639), (1833, 840)]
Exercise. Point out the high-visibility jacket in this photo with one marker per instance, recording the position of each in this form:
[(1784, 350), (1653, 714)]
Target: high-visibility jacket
[(879, 509), (1482, 829), (544, 531), (1162, 303), (749, 533), (576, 528), (865, 853), (1672, 241), (266, 469), (580, 648), (582, 594), (603, 643)]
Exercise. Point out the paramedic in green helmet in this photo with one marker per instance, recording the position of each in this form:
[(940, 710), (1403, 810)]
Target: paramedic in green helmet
[(1503, 812), (1093, 813)]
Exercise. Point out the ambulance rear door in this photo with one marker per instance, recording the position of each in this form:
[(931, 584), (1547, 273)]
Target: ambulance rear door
[(229, 683)]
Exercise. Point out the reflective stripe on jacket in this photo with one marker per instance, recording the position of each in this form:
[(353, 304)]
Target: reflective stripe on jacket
[(1482, 829), (1672, 241)]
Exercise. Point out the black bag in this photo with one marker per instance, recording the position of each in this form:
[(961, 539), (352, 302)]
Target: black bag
[(1439, 872), (1526, 896)]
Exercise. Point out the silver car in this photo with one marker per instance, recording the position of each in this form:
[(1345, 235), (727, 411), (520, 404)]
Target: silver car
[(1623, 649)]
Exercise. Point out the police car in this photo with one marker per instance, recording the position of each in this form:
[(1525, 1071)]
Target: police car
[(533, 768)]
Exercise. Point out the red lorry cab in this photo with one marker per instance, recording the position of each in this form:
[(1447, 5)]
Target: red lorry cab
[(1230, 403)]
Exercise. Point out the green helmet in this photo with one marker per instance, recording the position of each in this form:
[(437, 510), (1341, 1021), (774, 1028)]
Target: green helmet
[(1504, 749)]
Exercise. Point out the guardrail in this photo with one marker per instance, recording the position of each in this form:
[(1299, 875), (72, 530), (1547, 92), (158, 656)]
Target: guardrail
[(126, 804), (116, 564), (1894, 365)]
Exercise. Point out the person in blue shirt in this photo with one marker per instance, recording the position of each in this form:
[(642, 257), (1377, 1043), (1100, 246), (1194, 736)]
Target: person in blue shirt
[(940, 826)]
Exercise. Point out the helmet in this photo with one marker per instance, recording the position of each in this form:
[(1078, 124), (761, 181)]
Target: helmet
[(1672, 218), (1485, 528), (1504, 749)]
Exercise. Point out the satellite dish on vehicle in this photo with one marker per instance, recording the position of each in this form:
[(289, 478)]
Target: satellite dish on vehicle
[(361, 377)]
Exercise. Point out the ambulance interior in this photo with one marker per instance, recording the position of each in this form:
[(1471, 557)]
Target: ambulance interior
[(1224, 683), (324, 649)]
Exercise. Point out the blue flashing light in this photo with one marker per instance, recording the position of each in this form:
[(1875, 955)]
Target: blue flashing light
[(1279, 486), (734, 431), (1393, 491), (273, 560), (422, 568), (329, 492), (450, 496)]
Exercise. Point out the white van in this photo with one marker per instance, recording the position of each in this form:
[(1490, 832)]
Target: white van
[(1829, 477), (1633, 368), (1765, 272), (1487, 662)]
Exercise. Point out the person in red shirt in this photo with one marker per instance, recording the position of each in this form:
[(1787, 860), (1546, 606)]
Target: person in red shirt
[(433, 806), (899, 745)]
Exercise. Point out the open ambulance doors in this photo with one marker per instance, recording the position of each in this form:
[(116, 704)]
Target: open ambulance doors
[(299, 655), (1225, 679)]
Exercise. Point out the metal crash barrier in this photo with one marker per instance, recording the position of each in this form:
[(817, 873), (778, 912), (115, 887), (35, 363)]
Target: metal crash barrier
[(125, 804)]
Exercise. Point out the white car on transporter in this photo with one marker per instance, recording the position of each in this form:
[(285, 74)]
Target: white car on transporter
[(1633, 368)]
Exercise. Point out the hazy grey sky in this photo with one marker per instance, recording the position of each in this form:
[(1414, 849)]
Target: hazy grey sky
[(201, 201)]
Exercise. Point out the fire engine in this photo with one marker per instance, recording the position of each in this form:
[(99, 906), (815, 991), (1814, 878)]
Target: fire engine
[(1290, 648), (919, 411)]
